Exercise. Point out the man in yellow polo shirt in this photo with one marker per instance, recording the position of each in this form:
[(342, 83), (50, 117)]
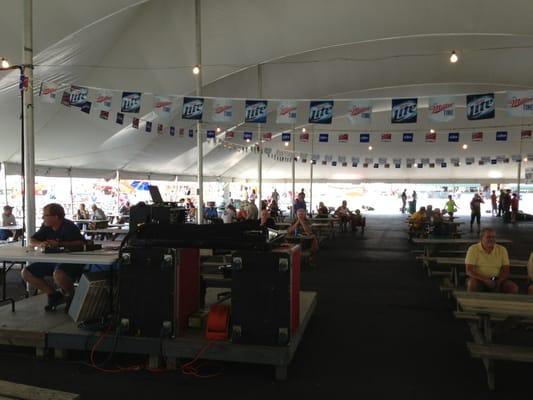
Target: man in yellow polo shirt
[(487, 265)]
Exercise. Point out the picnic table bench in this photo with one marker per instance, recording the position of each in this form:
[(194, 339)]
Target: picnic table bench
[(456, 263), (490, 311)]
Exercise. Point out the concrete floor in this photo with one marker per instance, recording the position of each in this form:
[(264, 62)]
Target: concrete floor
[(381, 330)]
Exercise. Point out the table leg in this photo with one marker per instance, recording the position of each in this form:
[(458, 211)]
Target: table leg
[(5, 270)]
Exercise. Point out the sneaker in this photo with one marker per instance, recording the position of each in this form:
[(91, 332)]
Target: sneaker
[(54, 300)]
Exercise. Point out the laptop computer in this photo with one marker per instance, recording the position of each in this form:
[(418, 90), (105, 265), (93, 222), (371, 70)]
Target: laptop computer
[(155, 194)]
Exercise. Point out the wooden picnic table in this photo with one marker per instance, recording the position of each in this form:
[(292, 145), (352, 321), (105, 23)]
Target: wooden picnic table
[(486, 311), (455, 262)]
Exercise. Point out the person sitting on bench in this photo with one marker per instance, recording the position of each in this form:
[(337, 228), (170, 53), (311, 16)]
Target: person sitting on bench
[(56, 231), (357, 219), (302, 227), (488, 266)]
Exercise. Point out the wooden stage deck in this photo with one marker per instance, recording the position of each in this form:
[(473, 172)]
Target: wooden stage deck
[(31, 326)]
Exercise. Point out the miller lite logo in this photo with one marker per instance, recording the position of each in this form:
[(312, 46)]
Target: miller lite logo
[(480, 106), (193, 108), (78, 96), (320, 112), (131, 102), (255, 111), (404, 111)]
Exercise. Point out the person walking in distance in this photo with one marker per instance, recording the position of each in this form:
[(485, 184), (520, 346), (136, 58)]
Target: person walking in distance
[(404, 200), (475, 209)]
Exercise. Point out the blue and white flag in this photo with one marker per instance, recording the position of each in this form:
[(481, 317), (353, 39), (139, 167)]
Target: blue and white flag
[(321, 112), (360, 112), (211, 134), (404, 111), (222, 110), (287, 112), (78, 95), (323, 137), (255, 111), (131, 102), (453, 137), (364, 137), (480, 106), (407, 137), (193, 108), (286, 137), (248, 136), (501, 136)]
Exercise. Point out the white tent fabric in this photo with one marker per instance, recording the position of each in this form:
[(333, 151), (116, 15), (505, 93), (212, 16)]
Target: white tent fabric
[(310, 49)]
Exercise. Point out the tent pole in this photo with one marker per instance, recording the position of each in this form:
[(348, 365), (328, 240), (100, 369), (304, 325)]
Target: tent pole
[(4, 178), (199, 142), (293, 214), (311, 172), (519, 172), (29, 140), (71, 191), (260, 141), (117, 182)]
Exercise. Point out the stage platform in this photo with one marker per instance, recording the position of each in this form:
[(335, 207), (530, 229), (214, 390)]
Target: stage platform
[(31, 326)]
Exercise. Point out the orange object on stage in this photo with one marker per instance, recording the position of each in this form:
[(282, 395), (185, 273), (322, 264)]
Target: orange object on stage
[(218, 322)]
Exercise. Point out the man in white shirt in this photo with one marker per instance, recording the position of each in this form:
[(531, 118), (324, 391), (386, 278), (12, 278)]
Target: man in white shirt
[(8, 219)]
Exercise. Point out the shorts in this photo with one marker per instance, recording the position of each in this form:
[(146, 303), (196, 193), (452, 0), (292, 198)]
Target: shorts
[(40, 269)]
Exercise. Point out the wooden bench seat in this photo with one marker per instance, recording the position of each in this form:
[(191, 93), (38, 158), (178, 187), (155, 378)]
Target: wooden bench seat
[(501, 352)]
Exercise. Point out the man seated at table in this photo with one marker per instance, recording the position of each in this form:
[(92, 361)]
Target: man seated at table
[(55, 231), (343, 213), (266, 221), (322, 210), (418, 220), (487, 265), (99, 218), (357, 219), (8, 219)]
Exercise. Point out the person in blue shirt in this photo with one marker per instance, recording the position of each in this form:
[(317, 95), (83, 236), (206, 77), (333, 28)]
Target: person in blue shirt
[(211, 213), (299, 203), (56, 231)]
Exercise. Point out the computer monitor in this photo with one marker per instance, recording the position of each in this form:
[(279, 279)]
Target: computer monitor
[(155, 194)]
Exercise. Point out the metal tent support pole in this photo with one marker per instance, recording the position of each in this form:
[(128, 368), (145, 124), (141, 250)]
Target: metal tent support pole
[(4, 179), (117, 183), (260, 140), (311, 172), (71, 191), (293, 162), (199, 141), (29, 139)]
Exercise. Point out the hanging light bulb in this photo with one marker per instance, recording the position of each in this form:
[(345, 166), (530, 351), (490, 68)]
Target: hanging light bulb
[(247, 140), (4, 63), (525, 159), (286, 144), (196, 70), (303, 130), (370, 148), (465, 146), (218, 130), (453, 57), (432, 130)]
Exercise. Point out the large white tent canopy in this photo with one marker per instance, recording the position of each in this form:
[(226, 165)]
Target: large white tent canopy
[(311, 49)]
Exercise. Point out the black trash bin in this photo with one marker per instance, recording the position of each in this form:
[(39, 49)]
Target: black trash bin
[(412, 207)]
